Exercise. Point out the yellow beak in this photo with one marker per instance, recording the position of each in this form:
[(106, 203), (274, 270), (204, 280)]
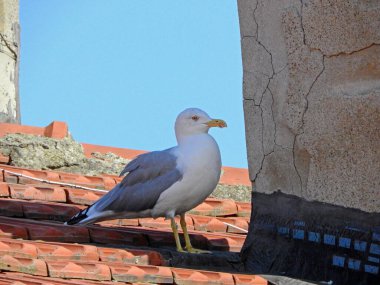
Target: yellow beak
[(216, 123)]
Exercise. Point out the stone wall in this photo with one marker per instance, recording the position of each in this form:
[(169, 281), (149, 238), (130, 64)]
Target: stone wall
[(9, 61), (311, 86), (312, 98)]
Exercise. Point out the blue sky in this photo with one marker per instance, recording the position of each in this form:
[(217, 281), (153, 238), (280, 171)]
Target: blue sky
[(119, 71)]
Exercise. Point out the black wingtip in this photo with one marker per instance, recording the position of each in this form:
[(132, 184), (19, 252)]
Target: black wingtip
[(80, 216)]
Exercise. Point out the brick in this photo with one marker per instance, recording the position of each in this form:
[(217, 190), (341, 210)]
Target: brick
[(116, 236), (121, 222), (235, 176), (215, 208), (87, 181), (10, 178), (141, 273), (238, 222), (38, 280), (49, 211), (82, 197), (43, 174), (63, 251), (160, 223), (155, 223), (98, 181), (11, 208), (108, 182), (58, 233), (164, 237), (154, 257), (56, 130), (129, 222), (198, 240), (81, 270), (25, 265), (118, 179), (242, 279), (13, 231), (40, 174), (209, 224), (4, 159), (160, 238), (4, 189), (190, 277), (17, 248), (42, 193), (244, 209), (48, 231), (226, 242), (16, 278), (48, 251), (120, 255), (89, 282), (132, 256)]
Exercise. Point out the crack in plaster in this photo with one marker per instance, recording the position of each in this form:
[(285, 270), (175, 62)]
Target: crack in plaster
[(256, 71), (345, 52), (254, 19), (262, 95), (301, 128), (318, 49), (267, 88), (294, 163), (271, 63), (271, 76), (303, 120), (274, 122), (324, 55), (5, 43), (262, 164), (308, 92), (302, 27), (256, 38), (271, 106)]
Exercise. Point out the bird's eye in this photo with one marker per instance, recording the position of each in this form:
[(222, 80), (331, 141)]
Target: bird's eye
[(195, 118)]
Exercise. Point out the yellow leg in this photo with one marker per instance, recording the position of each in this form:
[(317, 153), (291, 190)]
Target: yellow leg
[(176, 236), (188, 246)]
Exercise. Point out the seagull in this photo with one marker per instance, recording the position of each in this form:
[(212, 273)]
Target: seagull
[(165, 183)]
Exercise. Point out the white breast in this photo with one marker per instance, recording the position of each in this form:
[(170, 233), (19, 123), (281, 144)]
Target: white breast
[(200, 162)]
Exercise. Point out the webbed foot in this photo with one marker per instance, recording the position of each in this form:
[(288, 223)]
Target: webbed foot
[(197, 250)]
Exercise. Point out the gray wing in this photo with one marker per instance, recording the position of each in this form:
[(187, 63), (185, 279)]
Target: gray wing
[(148, 176)]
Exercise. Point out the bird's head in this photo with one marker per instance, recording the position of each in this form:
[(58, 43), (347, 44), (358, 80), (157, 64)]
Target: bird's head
[(195, 121)]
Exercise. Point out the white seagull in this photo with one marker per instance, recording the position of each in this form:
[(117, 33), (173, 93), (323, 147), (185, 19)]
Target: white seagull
[(165, 183)]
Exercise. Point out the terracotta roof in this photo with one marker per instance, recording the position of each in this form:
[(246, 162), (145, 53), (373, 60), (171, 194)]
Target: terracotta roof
[(36, 248)]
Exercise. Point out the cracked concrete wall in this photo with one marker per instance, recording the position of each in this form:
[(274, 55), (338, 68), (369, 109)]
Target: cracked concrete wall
[(311, 86), (9, 61)]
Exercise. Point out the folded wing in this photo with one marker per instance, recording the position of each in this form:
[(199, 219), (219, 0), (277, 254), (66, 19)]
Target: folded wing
[(147, 176)]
